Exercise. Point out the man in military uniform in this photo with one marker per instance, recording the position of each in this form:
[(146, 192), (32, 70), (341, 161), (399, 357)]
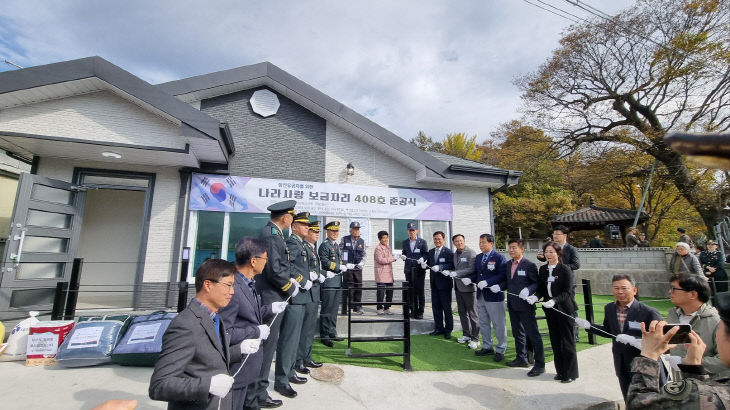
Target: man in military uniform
[(304, 353), (352, 249), (276, 285), (291, 325), (696, 390), (631, 240), (329, 259), (714, 267)]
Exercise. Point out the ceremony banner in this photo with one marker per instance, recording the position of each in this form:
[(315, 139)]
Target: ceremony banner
[(226, 193)]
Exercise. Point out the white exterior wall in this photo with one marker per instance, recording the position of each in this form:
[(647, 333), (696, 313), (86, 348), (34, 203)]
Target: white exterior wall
[(99, 116), (372, 167), (161, 232)]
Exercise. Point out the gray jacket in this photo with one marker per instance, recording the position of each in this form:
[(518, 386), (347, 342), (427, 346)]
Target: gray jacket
[(464, 268), (687, 264)]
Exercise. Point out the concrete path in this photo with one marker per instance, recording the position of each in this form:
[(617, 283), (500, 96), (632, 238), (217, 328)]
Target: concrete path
[(362, 388)]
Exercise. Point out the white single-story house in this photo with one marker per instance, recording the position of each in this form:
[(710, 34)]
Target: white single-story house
[(128, 175)]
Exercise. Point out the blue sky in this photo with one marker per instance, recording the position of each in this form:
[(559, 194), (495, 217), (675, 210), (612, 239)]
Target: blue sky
[(436, 66)]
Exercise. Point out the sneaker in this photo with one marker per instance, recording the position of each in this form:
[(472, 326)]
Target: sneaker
[(473, 344), (388, 312), (463, 339), (380, 312)]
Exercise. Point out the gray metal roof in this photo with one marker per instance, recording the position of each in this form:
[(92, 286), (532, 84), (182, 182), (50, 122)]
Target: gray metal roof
[(193, 122), (433, 168)]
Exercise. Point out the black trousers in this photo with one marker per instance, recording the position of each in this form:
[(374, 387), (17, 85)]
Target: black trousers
[(441, 307), (418, 293), (384, 294), (563, 342), (352, 278), (524, 327)]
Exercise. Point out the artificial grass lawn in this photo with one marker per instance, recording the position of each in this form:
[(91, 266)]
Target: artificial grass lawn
[(434, 353)]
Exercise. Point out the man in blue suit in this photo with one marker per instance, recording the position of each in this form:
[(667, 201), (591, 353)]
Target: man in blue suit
[(244, 317), (491, 280), (522, 281), (441, 261), (414, 254)]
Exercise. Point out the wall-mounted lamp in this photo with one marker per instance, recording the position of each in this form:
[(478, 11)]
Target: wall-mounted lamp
[(350, 169)]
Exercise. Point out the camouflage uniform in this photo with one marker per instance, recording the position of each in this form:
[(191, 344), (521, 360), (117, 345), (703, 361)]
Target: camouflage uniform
[(696, 391)]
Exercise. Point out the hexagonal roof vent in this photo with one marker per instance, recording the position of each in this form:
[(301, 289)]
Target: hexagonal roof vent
[(264, 103)]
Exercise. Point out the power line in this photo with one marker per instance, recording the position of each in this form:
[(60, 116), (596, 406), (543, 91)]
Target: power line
[(550, 11)]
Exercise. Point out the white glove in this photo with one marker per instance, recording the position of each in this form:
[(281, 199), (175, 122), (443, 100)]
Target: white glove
[(482, 284), (264, 332), (632, 341), (446, 273), (308, 285), (435, 268), (549, 304), (495, 288), (361, 264), (321, 278), (313, 275), (524, 294), (220, 385), (424, 265), (350, 266), (583, 323), (343, 268), (250, 346), (403, 257), (452, 273), (466, 281), (296, 286), (278, 307), (330, 275), (296, 291), (674, 361), (532, 299)]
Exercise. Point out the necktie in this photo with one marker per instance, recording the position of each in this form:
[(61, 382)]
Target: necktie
[(436, 255), (217, 324), (252, 285)]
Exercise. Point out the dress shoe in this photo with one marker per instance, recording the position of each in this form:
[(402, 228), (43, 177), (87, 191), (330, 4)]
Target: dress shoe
[(285, 391), (436, 332), (568, 380), (498, 357), (536, 371), (300, 368), (447, 335), (483, 352), (327, 342), (270, 403), (296, 379), (313, 364), (357, 312), (558, 377), (337, 338), (517, 363), (530, 357)]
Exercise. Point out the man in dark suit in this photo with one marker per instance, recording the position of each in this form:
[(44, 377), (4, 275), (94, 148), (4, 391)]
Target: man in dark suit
[(491, 280), (414, 255), (522, 281), (192, 371), (276, 285), (441, 259), (291, 326), (624, 316), (329, 259), (244, 317)]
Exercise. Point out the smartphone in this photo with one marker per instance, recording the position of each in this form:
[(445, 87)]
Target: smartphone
[(682, 336)]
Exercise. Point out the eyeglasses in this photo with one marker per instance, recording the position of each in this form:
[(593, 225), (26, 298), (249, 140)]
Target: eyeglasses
[(261, 257), (230, 285), (673, 289)]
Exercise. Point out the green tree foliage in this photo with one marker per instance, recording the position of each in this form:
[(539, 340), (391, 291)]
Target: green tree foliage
[(460, 145), (660, 66), (426, 143)]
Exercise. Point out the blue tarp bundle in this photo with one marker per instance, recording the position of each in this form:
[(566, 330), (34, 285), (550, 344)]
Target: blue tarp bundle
[(142, 343), (92, 341)]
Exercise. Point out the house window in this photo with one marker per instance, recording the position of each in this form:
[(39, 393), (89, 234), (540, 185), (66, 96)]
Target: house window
[(241, 225), (209, 234), (426, 230)]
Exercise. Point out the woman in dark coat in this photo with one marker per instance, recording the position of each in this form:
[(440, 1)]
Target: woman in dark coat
[(556, 283)]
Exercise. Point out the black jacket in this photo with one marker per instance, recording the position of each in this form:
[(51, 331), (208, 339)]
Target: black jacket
[(563, 288), (444, 262)]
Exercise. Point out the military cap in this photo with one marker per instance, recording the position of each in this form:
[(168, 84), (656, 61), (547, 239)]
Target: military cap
[(412, 226), (333, 226), (302, 217), (711, 242), (721, 301), (282, 207), (314, 226), (355, 225)]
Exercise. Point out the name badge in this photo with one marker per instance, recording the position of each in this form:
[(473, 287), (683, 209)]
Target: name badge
[(304, 253), (417, 250), (521, 273), (551, 278), (462, 259), (442, 260), (347, 244), (344, 255), (634, 325), (490, 265)]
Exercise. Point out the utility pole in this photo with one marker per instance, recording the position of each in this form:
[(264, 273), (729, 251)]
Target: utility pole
[(643, 196), (11, 63)]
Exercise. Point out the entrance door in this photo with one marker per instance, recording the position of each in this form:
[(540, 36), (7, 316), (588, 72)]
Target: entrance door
[(44, 235)]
